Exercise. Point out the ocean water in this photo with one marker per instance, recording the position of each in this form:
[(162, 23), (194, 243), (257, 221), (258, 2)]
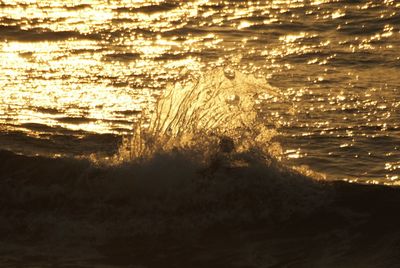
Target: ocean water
[(199, 133), (75, 77)]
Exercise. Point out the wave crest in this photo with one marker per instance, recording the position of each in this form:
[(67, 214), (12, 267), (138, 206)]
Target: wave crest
[(197, 115)]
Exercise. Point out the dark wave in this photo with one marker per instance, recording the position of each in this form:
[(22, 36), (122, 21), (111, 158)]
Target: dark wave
[(49, 141), (169, 184), (15, 33), (77, 7), (122, 56), (149, 9), (186, 216)]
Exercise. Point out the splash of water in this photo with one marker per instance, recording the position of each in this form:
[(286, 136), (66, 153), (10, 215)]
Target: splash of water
[(197, 115), (175, 176)]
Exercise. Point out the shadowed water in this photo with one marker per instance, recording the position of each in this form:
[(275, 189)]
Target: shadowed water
[(75, 77)]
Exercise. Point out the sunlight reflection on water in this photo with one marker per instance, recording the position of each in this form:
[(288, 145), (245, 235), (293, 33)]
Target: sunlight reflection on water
[(92, 67)]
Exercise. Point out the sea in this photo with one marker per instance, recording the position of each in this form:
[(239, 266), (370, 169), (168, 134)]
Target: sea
[(74, 76), (225, 93)]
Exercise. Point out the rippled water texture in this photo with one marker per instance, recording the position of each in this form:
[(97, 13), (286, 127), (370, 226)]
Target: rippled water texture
[(74, 77)]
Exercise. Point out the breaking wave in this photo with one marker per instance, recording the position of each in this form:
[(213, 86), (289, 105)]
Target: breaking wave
[(201, 163), (202, 157), (219, 105)]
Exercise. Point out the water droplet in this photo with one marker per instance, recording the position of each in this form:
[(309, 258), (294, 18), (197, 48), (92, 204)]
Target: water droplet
[(229, 73)]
